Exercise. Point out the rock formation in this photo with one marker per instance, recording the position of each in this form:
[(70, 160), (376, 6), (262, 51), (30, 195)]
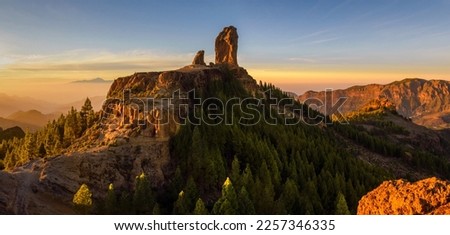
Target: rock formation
[(199, 58), (227, 46), (133, 137), (399, 197)]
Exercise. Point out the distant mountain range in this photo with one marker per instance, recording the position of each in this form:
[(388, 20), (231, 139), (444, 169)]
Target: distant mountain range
[(33, 117), (97, 102), (7, 123), (10, 104), (31, 114), (425, 102), (94, 80)]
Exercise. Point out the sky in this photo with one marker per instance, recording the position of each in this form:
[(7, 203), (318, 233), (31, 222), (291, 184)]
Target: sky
[(297, 45)]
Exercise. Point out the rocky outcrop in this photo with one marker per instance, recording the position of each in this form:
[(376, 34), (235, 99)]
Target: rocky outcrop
[(399, 197), (7, 182), (425, 102), (227, 46), (48, 186), (119, 164), (162, 84), (131, 138), (199, 58), (22, 193)]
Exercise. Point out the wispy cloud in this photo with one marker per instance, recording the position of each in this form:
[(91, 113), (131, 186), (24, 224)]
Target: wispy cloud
[(338, 7), (310, 35), (317, 37), (302, 59), (95, 60), (324, 40)]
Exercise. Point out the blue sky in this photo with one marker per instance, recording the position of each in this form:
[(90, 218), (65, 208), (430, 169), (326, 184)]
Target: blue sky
[(301, 43)]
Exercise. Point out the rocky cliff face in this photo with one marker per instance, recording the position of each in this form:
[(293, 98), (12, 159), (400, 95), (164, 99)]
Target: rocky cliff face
[(399, 197), (99, 158), (425, 102), (226, 46)]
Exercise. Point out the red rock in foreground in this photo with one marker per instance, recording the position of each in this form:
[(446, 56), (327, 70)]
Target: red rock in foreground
[(399, 197)]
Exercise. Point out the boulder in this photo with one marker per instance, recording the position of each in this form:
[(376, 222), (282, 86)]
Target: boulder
[(400, 197)]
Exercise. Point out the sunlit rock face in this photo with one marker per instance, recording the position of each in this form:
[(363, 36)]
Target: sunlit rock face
[(425, 102), (227, 46), (399, 197)]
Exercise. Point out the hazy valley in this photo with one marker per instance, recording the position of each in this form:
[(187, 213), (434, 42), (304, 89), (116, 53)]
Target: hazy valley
[(32, 114)]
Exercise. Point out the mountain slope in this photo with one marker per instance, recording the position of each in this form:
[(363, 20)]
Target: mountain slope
[(32, 117), (10, 104), (426, 102), (384, 138), (7, 123), (10, 133)]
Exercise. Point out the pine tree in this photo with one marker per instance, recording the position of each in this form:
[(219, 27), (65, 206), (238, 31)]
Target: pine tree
[(143, 200), (83, 199), (86, 115), (226, 208), (235, 171), (49, 138), (125, 204), (42, 152), (229, 196), (290, 196), (314, 198), (198, 150), (29, 148), (156, 209), (200, 208), (265, 191), (247, 181), (8, 162), (351, 195), (110, 201), (72, 128), (179, 207), (341, 205), (245, 203), (191, 193), (177, 181), (214, 169), (264, 174)]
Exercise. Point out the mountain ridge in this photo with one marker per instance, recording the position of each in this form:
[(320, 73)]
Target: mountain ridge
[(7, 123), (425, 102), (94, 80), (33, 117)]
